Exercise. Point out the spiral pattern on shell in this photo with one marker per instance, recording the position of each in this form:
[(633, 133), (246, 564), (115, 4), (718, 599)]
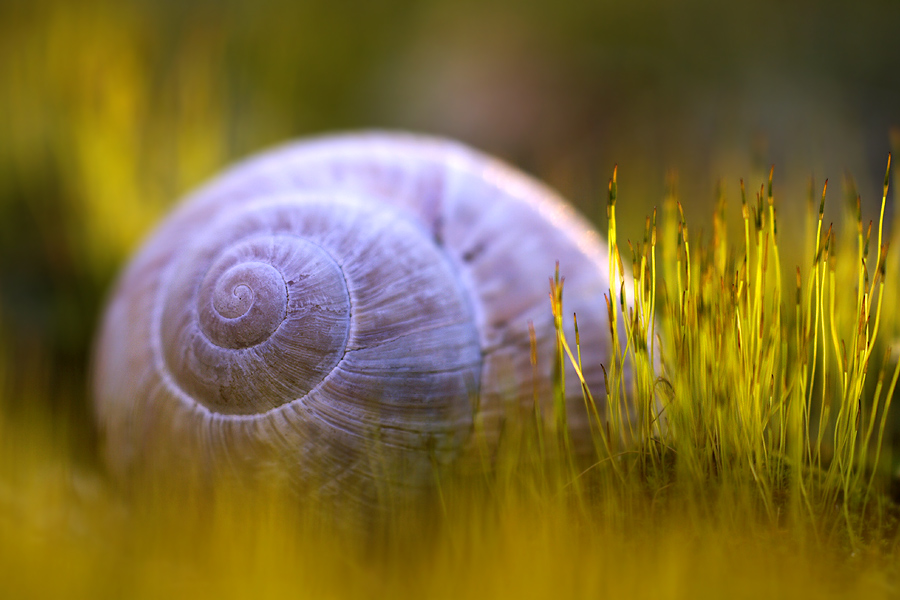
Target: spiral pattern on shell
[(344, 310)]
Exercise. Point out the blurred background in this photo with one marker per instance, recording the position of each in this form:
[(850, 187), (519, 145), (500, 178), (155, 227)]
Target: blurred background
[(110, 111)]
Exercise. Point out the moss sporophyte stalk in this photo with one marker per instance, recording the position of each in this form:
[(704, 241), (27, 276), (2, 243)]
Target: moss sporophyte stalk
[(739, 384)]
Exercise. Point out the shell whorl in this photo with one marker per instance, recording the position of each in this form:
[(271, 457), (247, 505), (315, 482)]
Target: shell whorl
[(337, 293)]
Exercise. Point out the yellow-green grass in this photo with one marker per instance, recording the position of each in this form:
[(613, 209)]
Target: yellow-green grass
[(751, 464)]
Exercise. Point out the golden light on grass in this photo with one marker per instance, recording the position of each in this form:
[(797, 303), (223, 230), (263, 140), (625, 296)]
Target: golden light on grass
[(754, 467)]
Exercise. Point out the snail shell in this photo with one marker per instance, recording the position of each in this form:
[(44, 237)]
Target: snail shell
[(345, 309)]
